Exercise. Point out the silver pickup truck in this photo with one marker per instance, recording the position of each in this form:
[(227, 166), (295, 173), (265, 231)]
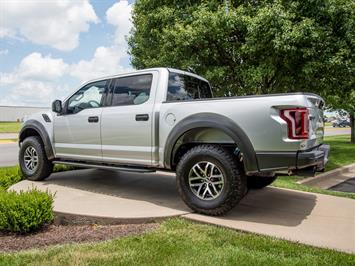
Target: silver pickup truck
[(167, 119)]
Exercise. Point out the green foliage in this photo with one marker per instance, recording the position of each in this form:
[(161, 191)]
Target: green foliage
[(9, 176), (259, 47), (25, 211), (62, 168)]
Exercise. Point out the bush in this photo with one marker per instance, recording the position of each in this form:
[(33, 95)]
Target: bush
[(9, 176), (25, 211)]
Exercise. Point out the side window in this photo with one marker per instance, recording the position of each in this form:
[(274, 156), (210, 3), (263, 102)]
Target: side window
[(132, 90), (185, 87), (87, 97)]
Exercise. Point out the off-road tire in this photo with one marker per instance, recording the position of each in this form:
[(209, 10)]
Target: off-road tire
[(259, 182), (235, 184), (44, 167)]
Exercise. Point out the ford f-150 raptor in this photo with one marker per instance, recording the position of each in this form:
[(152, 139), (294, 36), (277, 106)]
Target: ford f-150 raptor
[(168, 119)]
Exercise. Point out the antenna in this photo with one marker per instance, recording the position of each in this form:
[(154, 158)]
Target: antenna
[(191, 70)]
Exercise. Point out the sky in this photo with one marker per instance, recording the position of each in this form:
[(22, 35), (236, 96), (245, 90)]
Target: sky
[(48, 48)]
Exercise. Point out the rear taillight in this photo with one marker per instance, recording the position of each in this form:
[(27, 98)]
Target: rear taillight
[(297, 122)]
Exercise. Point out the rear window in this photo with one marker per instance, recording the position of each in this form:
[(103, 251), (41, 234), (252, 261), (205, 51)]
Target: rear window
[(184, 87)]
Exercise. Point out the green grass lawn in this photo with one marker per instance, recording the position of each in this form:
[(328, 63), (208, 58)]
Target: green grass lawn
[(10, 127), (342, 152), (180, 242)]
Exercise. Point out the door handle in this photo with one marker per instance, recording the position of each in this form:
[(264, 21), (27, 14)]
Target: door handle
[(93, 119), (142, 117)]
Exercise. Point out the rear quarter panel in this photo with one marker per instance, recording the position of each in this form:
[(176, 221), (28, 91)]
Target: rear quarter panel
[(257, 116)]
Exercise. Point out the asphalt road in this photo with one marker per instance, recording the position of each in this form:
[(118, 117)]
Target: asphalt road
[(8, 154)]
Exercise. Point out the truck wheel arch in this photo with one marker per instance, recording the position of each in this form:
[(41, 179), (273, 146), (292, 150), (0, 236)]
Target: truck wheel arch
[(34, 128), (211, 121)]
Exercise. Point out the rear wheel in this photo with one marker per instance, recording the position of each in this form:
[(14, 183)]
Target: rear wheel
[(33, 160), (210, 180), (259, 182)]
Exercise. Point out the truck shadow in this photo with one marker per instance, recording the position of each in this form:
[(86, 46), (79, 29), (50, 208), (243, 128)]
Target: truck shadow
[(268, 206), (274, 206)]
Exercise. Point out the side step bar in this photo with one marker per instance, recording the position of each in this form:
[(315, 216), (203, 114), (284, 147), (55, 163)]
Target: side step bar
[(109, 167)]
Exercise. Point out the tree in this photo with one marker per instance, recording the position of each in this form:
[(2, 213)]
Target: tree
[(257, 47)]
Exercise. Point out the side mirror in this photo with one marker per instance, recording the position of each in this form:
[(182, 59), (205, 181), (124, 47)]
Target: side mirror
[(57, 106)]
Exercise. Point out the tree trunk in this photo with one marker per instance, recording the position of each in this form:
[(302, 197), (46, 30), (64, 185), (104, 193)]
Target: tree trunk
[(352, 124)]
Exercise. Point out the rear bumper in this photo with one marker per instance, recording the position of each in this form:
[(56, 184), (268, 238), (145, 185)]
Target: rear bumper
[(300, 162)]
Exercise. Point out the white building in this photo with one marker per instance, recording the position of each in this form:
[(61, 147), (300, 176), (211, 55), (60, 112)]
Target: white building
[(17, 113)]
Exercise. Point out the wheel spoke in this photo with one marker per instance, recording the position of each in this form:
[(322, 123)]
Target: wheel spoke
[(209, 191), (196, 173), (196, 184), (214, 188), (206, 168), (204, 192), (211, 170), (217, 182), (199, 189), (199, 168)]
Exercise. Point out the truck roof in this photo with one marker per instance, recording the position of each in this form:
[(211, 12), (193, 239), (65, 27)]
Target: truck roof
[(159, 69)]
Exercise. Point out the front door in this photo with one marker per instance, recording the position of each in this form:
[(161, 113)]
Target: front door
[(126, 125), (77, 131)]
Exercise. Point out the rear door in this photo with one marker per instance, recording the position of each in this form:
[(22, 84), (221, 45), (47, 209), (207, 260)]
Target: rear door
[(126, 124)]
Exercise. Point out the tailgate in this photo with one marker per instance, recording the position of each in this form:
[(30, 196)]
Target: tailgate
[(316, 123)]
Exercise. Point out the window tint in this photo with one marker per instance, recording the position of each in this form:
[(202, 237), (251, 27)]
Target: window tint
[(185, 87), (87, 97), (132, 90)]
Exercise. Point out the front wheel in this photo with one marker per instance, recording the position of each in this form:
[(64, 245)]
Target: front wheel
[(33, 160), (210, 180)]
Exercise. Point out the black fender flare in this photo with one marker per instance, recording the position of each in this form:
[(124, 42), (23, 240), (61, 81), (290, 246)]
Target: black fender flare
[(211, 120), (39, 128)]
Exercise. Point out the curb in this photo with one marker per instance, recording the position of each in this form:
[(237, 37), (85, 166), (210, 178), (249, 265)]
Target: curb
[(62, 218), (329, 179)]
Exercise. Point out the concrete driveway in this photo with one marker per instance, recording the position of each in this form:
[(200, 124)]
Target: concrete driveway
[(118, 197)]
